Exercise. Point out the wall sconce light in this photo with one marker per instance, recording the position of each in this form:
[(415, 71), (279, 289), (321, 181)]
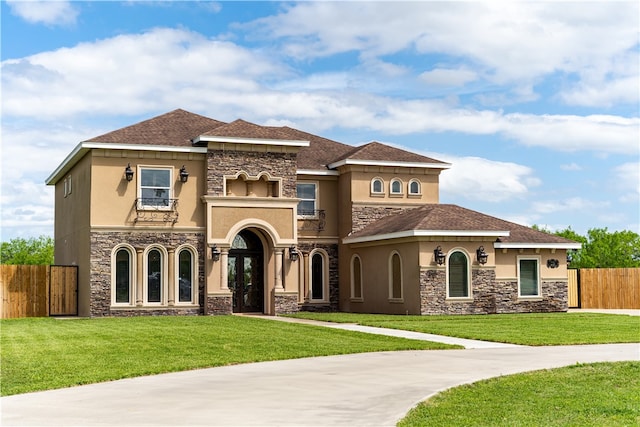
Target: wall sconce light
[(215, 253), (482, 255), (293, 253), (184, 175), (438, 255), (128, 172), (553, 263)]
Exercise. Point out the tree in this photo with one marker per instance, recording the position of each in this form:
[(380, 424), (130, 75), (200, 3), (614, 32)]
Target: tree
[(35, 250), (602, 248)]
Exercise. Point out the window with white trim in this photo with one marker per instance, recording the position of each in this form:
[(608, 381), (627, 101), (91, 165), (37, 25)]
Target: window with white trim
[(528, 277), (458, 275), (154, 280), (396, 186), (377, 186), (187, 276), (356, 278), (307, 192), (395, 276), (319, 276), (122, 268), (155, 187), (414, 187)]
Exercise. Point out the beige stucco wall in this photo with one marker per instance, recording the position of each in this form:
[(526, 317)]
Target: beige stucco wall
[(327, 201), (113, 197), (362, 176), (71, 230), (225, 218), (507, 261), (375, 279)]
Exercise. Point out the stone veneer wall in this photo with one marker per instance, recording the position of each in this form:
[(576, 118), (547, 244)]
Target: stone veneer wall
[(280, 165), (361, 216), (489, 295), (334, 284), (286, 303), (219, 304), (102, 244)]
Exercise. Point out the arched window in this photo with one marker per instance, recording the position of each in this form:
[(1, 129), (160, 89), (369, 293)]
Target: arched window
[(356, 278), (186, 276), (458, 275), (377, 186), (155, 277), (414, 187), (395, 276), (317, 276), (396, 186), (122, 269)]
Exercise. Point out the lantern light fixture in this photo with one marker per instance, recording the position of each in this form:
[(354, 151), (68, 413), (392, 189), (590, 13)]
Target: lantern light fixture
[(184, 175), (215, 253), (128, 172), (438, 255), (293, 253), (482, 255)]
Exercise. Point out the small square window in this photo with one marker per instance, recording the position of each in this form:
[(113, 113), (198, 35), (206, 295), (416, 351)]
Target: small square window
[(155, 187)]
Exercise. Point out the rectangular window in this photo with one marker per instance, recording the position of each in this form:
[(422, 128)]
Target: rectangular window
[(307, 193), (155, 187), (528, 277)]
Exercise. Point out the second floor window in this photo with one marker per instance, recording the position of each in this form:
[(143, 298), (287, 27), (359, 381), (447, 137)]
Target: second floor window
[(307, 193), (155, 187)]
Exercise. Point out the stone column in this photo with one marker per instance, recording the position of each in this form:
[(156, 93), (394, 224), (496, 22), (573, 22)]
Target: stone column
[(278, 281), (224, 269), (171, 288), (139, 279), (305, 274)]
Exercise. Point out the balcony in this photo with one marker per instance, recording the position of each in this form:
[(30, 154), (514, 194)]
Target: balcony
[(156, 210), (312, 220)]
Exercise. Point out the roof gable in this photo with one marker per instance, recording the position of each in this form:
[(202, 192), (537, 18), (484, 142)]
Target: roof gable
[(176, 128), (243, 129), (446, 219)]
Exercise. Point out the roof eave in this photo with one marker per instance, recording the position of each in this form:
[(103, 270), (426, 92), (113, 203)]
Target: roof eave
[(84, 147), (426, 233), (524, 245), (254, 141), (422, 165)]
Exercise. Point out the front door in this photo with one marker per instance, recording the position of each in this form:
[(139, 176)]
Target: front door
[(246, 273)]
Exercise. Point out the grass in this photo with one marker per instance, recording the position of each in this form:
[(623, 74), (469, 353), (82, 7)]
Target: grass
[(527, 329), (45, 353), (600, 394)]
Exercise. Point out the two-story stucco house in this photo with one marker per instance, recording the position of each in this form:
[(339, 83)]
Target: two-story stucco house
[(183, 214)]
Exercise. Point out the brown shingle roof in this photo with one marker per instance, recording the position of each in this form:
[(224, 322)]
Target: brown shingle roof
[(243, 129), (175, 128), (375, 151), (445, 217), (320, 152), (180, 127)]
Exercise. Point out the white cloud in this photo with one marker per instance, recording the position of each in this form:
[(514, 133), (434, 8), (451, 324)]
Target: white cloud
[(475, 178), (626, 180), (52, 12), (448, 77), (571, 167), (514, 43), (573, 204)]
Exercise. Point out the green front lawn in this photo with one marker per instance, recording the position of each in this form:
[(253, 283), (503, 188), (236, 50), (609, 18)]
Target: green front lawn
[(525, 329), (44, 353), (600, 394)]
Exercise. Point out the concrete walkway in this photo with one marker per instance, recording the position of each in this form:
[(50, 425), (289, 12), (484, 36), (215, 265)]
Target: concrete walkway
[(370, 389)]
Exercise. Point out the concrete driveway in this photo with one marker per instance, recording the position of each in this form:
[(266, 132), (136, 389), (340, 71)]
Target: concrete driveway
[(371, 389)]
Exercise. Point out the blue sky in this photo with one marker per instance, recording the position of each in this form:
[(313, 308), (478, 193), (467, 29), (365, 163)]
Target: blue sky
[(536, 104)]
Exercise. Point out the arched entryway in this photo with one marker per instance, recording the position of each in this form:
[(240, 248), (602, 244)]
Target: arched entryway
[(246, 273)]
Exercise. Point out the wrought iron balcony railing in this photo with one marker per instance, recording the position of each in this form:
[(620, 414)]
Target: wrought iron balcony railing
[(156, 209)]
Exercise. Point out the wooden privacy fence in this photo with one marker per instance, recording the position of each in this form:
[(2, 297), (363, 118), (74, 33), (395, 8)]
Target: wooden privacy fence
[(605, 288), (38, 291)]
